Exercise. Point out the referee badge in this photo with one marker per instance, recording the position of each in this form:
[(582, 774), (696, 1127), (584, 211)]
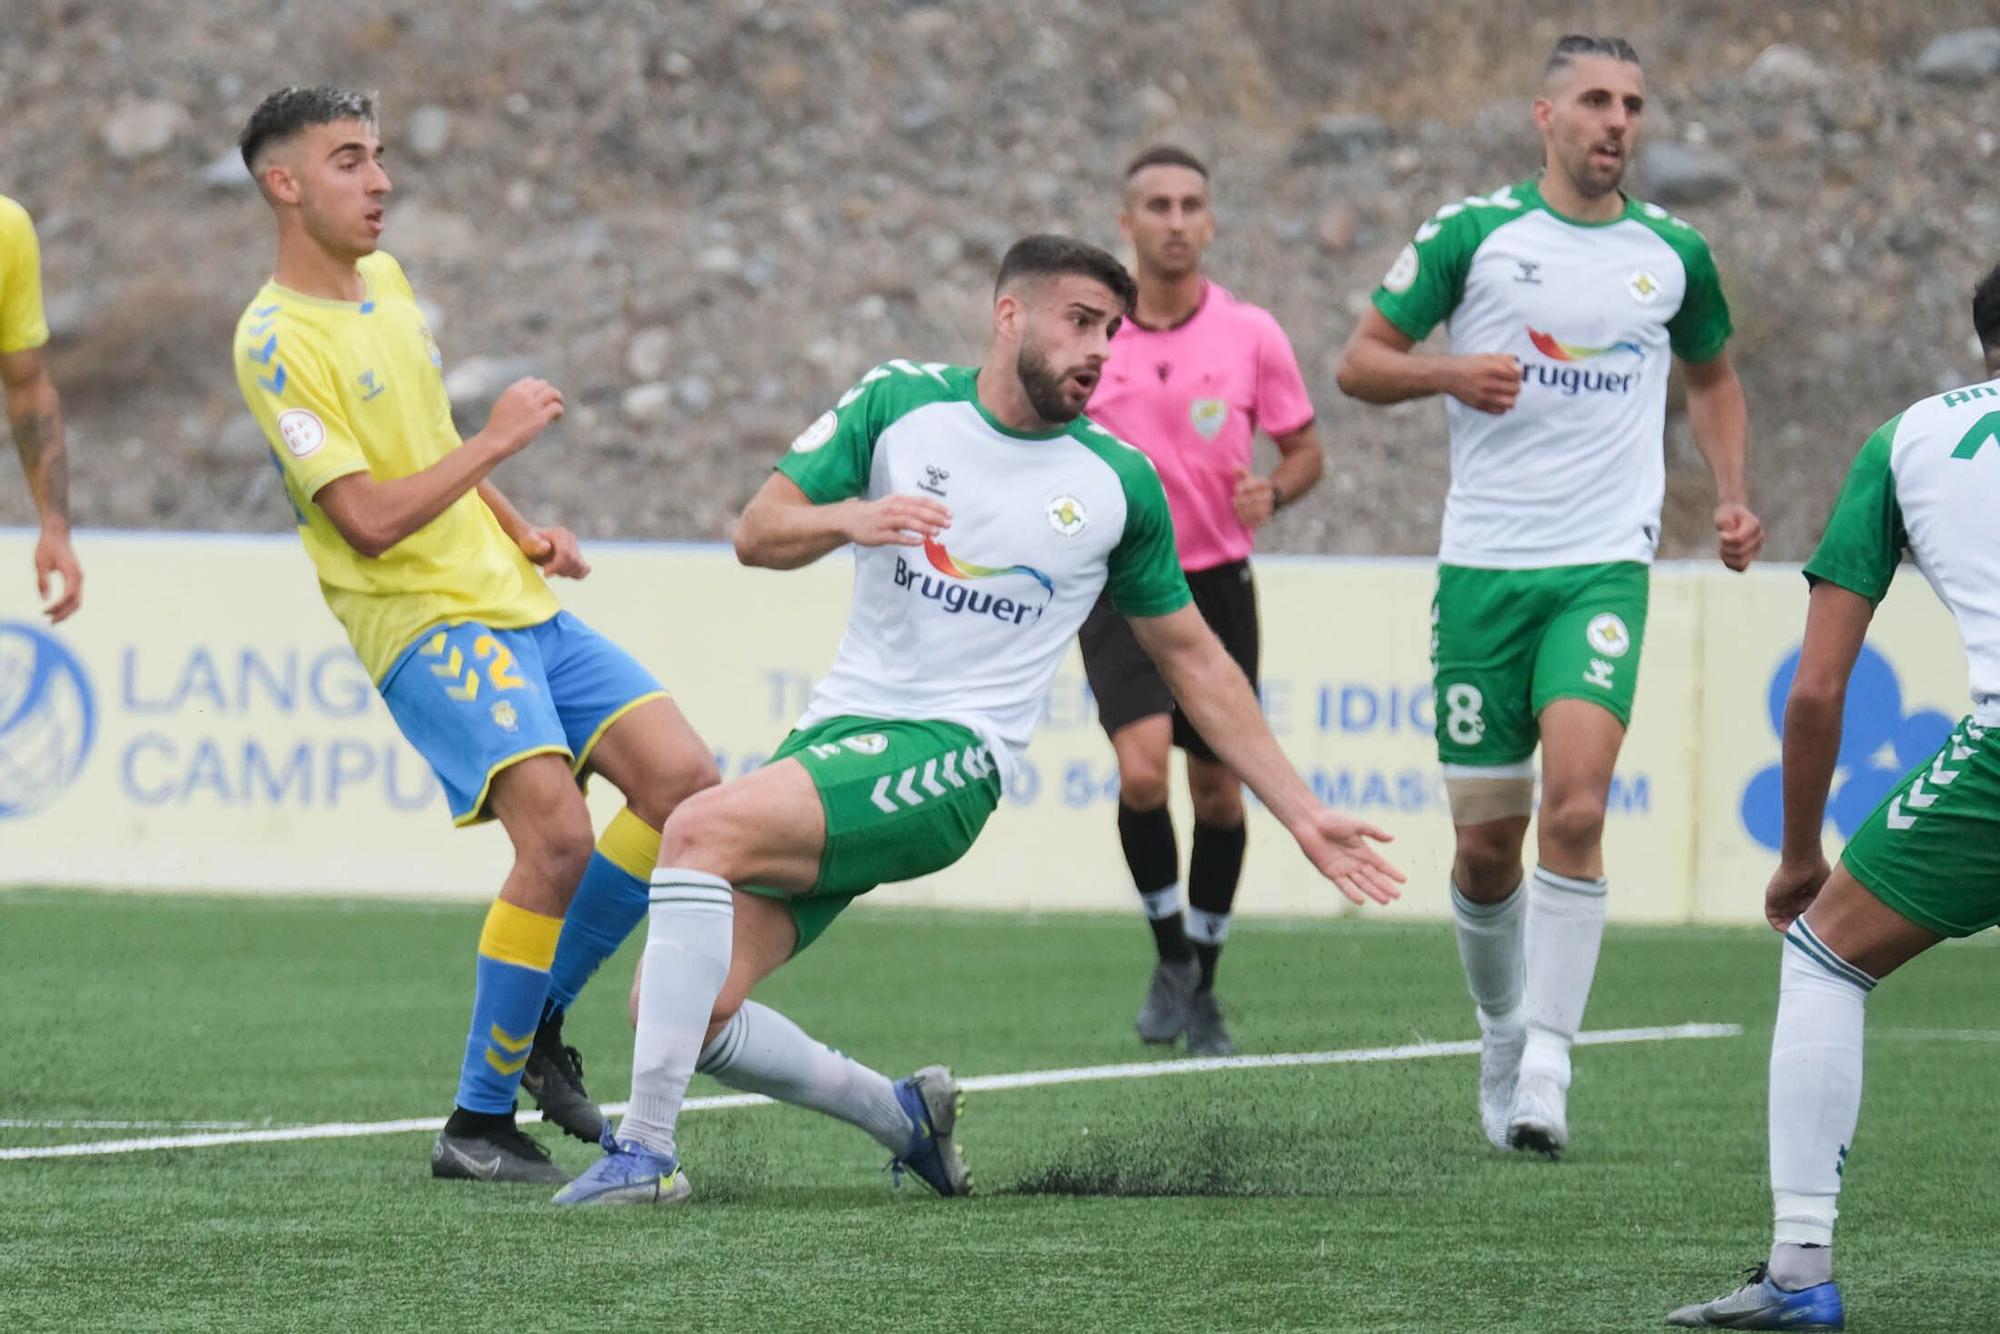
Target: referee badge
[(1208, 416)]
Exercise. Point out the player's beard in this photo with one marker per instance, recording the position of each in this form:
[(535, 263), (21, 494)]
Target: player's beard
[(1043, 385), (1590, 183)]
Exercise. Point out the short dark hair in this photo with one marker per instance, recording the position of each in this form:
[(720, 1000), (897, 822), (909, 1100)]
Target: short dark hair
[(1166, 155), (1571, 45), (289, 110), (1046, 256), (1986, 309)]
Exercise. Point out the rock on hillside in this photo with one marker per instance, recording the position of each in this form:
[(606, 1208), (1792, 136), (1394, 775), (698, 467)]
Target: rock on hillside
[(704, 220)]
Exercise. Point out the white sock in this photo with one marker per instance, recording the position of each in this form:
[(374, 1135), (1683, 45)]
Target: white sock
[(1565, 927), (1162, 902), (1207, 928), (687, 960), (761, 1051), (1489, 945), (1815, 1085)]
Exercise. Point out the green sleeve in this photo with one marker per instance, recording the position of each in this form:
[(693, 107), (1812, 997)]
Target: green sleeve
[(1424, 285), (1701, 326), (1864, 539), (1145, 568), (831, 458)]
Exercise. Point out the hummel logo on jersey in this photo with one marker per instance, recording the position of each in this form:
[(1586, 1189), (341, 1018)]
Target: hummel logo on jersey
[(371, 384), (934, 479), (1530, 271), (1163, 369)]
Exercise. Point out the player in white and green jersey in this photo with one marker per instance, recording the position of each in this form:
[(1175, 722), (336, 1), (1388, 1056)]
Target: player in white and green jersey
[(1565, 301), (986, 515), (1925, 865)]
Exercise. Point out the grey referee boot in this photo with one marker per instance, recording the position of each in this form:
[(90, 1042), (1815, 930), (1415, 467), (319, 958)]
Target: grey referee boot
[(1164, 1014)]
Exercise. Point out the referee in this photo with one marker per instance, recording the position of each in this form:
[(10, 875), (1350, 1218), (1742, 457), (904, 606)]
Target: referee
[(1192, 377)]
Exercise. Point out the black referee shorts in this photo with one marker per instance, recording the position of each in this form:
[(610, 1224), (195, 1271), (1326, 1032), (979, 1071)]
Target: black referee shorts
[(1127, 685)]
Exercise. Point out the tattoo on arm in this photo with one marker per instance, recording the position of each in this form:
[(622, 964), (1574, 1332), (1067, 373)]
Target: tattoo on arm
[(38, 438)]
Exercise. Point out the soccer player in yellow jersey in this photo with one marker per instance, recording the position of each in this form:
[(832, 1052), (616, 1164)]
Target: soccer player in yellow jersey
[(33, 409), (513, 701)]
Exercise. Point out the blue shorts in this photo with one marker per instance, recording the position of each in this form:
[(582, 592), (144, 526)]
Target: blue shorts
[(474, 700)]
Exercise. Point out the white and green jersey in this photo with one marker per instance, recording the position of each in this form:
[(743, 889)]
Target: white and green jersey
[(970, 627), (1929, 481), (1574, 473)]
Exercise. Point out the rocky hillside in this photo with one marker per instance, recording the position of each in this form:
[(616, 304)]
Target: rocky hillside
[(704, 220)]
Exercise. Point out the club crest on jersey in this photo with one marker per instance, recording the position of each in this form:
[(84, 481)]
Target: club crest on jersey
[(1068, 516), (1607, 635), (303, 432), (1643, 286), (868, 743), (1208, 416), (504, 716), (816, 435), (1403, 272)]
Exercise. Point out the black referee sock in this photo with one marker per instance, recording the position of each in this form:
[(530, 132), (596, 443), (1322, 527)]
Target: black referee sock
[(1155, 862), (1214, 870)]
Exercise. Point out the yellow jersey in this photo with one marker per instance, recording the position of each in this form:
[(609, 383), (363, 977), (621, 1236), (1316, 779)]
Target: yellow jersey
[(22, 324), (342, 387)]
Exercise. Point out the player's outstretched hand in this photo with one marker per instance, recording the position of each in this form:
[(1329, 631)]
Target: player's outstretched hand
[(895, 521), (1792, 890), (556, 551), (53, 556), (1742, 535), (1253, 498), (1489, 382), (523, 409), (1339, 846)]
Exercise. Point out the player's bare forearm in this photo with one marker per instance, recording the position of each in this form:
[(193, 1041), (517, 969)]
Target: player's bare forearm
[(1212, 690), (1811, 748), (34, 412), (1836, 624), (374, 516), (512, 521), (781, 528), (1377, 366), (1720, 419)]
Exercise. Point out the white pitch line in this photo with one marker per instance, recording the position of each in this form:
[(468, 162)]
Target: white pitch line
[(13, 1123), (1415, 1051)]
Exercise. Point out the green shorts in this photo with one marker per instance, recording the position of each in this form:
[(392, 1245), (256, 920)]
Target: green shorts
[(902, 799), (1931, 850), (1504, 643)]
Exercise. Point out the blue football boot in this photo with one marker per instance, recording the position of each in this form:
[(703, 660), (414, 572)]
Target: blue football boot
[(1762, 1304), (628, 1174), (932, 1100)]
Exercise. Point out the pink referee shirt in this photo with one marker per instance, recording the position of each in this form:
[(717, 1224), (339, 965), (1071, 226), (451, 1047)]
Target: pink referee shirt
[(1193, 397)]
